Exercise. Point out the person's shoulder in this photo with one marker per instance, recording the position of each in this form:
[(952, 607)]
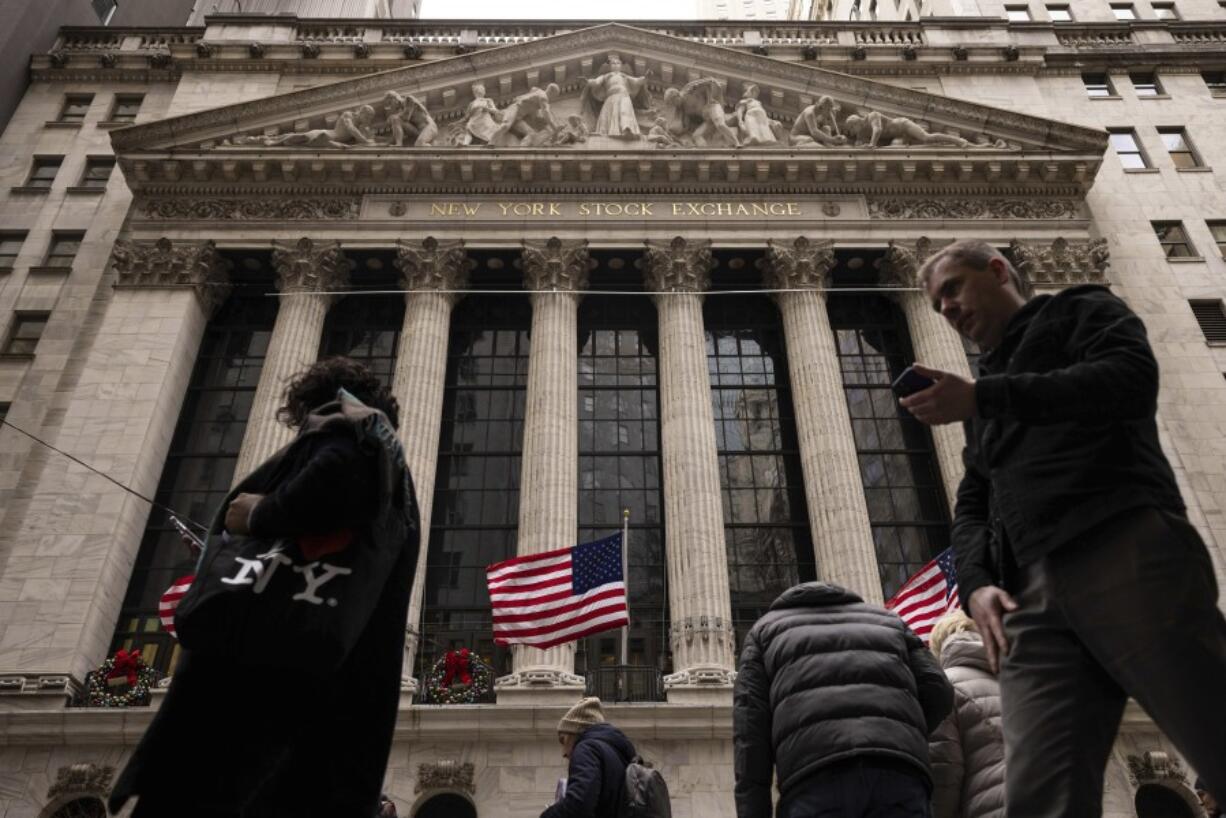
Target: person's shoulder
[(1086, 297)]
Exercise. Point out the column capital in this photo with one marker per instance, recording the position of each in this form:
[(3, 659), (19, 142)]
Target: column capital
[(800, 264), (433, 265), (1061, 262), (679, 265), (310, 266), (556, 265), (164, 264)]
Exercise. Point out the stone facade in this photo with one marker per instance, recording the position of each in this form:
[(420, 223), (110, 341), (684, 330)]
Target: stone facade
[(236, 151)]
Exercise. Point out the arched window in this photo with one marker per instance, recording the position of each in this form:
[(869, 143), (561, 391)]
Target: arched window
[(1157, 801), (446, 805), (87, 807)]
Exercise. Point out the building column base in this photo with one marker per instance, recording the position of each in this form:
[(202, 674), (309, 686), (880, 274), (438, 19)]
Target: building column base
[(711, 686), (540, 687)]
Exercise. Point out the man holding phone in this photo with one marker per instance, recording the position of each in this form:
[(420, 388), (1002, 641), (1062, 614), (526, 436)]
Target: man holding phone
[(1074, 554)]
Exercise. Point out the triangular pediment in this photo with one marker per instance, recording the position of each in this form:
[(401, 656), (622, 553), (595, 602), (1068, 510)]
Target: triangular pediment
[(674, 97)]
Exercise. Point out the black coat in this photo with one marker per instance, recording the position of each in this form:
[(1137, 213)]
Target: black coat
[(825, 677), (1065, 437), (596, 776), (251, 741)]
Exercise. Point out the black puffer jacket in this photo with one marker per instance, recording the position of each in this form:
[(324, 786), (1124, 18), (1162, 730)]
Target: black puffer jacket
[(825, 677), (596, 777)]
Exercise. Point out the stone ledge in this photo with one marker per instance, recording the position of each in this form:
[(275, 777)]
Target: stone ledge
[(57, 123)]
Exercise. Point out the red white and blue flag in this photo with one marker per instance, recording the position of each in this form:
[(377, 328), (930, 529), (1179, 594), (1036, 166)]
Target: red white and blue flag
[(927, 596), (558, 596), (170, 601)]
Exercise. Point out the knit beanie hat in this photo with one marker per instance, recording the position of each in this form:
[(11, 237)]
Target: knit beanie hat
[(581, 716)]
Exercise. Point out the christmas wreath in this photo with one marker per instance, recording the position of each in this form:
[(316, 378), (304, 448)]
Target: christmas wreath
[(124, 680), (459, 677)]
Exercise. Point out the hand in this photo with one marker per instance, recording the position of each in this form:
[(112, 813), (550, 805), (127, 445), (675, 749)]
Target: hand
[(988, 606), (950, 399), (239, 512), (193, 547)]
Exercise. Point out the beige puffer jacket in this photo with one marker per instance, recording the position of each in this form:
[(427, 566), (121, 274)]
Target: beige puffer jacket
[(968, 749)]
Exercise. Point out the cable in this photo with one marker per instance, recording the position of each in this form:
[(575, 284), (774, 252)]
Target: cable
[(705, 293), (103, 474)]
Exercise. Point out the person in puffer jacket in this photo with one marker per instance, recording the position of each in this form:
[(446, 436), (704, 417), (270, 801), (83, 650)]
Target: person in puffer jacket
[(598, 754), (968, 749), (837, 698)]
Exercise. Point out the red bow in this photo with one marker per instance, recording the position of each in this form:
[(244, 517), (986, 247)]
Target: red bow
[(456, 664), (126, 664)]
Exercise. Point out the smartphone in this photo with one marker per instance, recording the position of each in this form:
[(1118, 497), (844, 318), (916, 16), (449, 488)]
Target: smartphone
[(185, 531), (910, 382)]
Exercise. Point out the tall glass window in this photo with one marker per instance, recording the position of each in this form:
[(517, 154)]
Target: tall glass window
[(476, 489), (366, 328), (766, 518), (902, 482), (619, 466), (200, 466)]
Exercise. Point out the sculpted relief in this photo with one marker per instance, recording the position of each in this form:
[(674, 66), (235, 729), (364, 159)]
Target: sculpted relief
[(616, 105)]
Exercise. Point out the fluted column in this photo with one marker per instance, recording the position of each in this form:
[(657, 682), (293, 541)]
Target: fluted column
[(431, 272), (702, 636), (838, 514), (556, 271), (936, 344), (306, 272)]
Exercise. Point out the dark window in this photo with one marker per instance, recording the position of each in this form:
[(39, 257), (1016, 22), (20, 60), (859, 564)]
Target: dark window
[(1166, 11), (126, 107), (446, 805), (1017, 14), (1174, 239), (42, 174), (88, 807), (1145, 83), (76, 106), (1124, 11), (26, 330), (1179, 147), (1128, 150), (1060, 14), (10, 246), (476, 489), (200, 465), (902, 484), (1158, 801), (4, 410), (97, 172), (1097, 85), (367, 329), (766, 518), (63, 249), (1218, 231), (105, 9), (1212, 319), (1215, 81)]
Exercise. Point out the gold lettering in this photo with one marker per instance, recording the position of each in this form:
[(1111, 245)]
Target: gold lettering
[(646, 207), (723, 209), (538, 210), (505, 208), (741, 210), (793, 209), (584, 209), (759, 209), (777, 209), (471, 210), (553, 209), (436, 209), (677, 207)]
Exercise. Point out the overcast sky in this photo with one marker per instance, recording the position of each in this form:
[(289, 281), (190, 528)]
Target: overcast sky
[(560, 9)]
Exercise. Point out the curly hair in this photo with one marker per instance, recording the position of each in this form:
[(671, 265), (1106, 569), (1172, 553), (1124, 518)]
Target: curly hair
[(318, 384)]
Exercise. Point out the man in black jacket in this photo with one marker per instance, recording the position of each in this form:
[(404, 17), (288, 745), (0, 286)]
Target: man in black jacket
[(598, 754), (1074, 554), (837, 697)]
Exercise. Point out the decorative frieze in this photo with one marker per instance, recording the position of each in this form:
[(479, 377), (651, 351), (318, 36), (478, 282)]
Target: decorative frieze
[(81, 780), (1155, 766), (309, 266), (961, 208), (253, 209), (1062, 262), (445, 775), (556, 265), (799, 265), (173, 264), (678, 266)]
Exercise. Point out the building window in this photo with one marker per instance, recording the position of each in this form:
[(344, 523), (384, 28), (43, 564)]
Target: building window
[(1215, 81), (1124, 142), (1124, 11), (76, 106), (199, 468), (1211, 315), (1098, 85), (366, 328), (26, 330), (766, 516), (1145, 83), (1179, 147), (902, 484), (1218, 230), (63, 249), (1174, 240), (1059, 14), (1017, 14), (1165, 11), (10, 246), (4, 410), (105, 9), (97, 172), (87, 807), (43, 172), (126, 107)]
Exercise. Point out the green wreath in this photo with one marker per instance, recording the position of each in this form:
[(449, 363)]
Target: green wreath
[(445, 682), (124, 680)]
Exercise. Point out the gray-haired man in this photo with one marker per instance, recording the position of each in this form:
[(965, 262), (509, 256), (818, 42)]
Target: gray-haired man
[(1074, 555)]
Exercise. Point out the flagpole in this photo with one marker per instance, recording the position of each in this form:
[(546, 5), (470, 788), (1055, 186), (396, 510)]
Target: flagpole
[(626, 582)]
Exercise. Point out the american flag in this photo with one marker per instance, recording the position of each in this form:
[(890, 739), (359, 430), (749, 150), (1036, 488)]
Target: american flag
[(929, 595), (170, 601), (559, 596)]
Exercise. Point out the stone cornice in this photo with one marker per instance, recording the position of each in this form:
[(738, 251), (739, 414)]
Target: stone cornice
[(309, 266), (166, 264), (800, 264), (433, 265), (556, 265), (678, 266), (1062, 262)]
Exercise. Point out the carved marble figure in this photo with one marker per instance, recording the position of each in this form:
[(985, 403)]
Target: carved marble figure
[(482, 119), (528, 120), (875, 130), (407, 117), (608, 102), (754, 125), (818, 125), (352, 127), (698, 116)]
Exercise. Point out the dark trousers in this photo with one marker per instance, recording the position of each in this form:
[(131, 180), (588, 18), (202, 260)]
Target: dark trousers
[(861, 788), (1129, 611)]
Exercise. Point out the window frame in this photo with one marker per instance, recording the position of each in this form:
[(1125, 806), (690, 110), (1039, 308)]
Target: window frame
[(125, 99), (95, 184), (1060, 7), (1124, 12), (1170, 7), (1137, 78), (1107, 85), (1217, 231), (41, 162), (1018, 9), (86, 100), (18, 236), (59, 237), (1189, 149), (1168, 245), (1212, 327), (22, 318), (1216, 86), (1140, 151)]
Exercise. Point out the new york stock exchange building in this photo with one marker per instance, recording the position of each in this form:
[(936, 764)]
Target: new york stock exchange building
[(663, 267)]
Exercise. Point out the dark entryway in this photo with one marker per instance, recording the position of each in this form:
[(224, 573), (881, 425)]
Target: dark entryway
[(447, 805)]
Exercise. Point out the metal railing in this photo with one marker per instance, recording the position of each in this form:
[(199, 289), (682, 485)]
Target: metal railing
[(626, 683)]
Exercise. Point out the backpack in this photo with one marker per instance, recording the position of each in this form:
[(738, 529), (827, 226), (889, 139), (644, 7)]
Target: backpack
[(646, 793)]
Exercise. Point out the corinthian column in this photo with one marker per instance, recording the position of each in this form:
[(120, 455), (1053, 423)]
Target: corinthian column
[(702, 636), (556, 271), (306, 271), (838, 514), (936, 344), (431, 272)]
